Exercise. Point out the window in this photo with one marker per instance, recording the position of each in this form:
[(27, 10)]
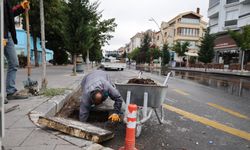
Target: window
[(213, 3), (231, 1)]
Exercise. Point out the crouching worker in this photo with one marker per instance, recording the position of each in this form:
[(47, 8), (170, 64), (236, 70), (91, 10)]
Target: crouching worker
[(97, 87)]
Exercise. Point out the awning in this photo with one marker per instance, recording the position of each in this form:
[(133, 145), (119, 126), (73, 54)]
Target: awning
[(191, 54)]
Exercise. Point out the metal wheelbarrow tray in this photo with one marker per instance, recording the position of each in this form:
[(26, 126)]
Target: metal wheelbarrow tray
[(156, 93)]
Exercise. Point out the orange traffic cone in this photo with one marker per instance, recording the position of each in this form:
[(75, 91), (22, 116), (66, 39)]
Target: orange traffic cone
[(130, 131)]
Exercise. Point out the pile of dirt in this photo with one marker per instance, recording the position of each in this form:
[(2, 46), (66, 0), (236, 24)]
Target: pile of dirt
[(141, 81)]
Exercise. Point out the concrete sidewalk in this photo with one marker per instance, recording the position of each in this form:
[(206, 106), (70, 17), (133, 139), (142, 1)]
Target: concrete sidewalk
[(22, 134), (216, 71)]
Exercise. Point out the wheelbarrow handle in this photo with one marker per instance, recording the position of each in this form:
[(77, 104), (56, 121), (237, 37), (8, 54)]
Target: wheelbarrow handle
[(166, 80)]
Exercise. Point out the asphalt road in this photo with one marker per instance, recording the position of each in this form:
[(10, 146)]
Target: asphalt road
[(197, 117)]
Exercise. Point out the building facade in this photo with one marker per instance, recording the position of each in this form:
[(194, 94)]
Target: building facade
[(185, 27), (227, 15), (21, 47)]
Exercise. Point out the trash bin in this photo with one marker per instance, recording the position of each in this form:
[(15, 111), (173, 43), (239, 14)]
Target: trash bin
[(79, 64)]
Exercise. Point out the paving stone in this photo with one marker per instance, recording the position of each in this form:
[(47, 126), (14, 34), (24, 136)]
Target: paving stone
[(15, 137), (37, 147), (10, 120), (95, 147), (76, 141), (23, 122), (67, 147), (41, 137)]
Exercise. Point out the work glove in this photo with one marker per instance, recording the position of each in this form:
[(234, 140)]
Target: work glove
[(4, 42), (114, 117), (25, 4)]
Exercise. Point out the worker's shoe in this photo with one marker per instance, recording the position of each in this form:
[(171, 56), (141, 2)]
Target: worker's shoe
[(6, 101), (16, 95)]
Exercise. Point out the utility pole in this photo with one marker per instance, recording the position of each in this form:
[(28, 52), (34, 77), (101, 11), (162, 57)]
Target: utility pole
[(44, 79), (162, 35), (2, 87)]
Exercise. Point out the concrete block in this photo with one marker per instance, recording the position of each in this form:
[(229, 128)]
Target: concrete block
[(48, 108), (77, 129)]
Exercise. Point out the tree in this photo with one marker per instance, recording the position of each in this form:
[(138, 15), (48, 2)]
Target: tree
[(145, 46), (180, 49), (206, 53), (134, 55), (242, 40), (165, 55)]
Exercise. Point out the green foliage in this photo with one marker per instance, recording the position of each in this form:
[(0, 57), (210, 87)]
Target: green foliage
[(242, 39), (165, 55), (134, 55), (53, 92), (180, 49), (86, 30), (144, 56), (206, 53)]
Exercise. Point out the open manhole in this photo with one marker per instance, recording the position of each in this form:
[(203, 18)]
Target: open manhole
[(71, 110)]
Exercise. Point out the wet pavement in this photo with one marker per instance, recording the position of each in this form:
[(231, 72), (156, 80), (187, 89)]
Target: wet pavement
[(234, 85), (198, 116)]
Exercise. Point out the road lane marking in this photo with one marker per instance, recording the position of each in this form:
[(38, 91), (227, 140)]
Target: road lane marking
[(208, 122), (228, 111), (181, 92)]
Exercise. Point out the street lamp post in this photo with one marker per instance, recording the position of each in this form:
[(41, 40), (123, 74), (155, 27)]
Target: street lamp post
[(162, 35), (163, 41)]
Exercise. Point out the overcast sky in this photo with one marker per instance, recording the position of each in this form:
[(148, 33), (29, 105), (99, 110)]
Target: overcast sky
[(133, 16)]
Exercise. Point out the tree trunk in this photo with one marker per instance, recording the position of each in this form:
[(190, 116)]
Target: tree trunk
[(242, 60), (74, 68), (44, 78), (35, 51)]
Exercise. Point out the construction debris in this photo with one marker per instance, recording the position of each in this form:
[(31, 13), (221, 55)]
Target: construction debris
[(77, 129)]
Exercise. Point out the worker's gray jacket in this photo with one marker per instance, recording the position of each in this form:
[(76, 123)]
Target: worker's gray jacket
[(97, 80)]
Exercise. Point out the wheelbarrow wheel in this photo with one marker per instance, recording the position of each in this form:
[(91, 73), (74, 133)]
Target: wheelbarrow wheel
[(139, 126)]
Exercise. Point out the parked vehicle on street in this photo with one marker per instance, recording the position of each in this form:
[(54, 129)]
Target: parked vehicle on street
[(111, 63)]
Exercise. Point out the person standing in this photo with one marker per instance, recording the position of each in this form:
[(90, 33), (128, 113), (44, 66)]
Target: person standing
[(10, 40)]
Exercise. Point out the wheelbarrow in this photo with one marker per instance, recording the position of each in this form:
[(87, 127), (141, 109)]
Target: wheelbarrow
[(148, 98)]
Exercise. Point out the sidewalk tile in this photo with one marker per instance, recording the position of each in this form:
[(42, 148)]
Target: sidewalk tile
[(10, 120), (37, 147), (15, 137), (41, 137), (23, 122), (67, 147)]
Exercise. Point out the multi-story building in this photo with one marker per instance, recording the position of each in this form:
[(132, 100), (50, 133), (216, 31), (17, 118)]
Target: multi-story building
[(21, 47), (185, 27), (136, 40), (227, 15), (121, 51)]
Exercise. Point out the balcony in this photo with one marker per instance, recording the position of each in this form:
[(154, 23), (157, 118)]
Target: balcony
[(213, 11), (231, 1), (245, 2)]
